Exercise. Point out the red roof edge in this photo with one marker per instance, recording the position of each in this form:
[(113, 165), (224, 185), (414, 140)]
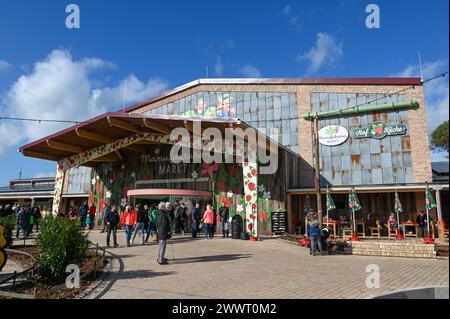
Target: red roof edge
[(278, 81)]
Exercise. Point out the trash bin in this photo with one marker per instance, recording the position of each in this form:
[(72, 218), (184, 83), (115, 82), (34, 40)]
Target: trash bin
[(245, 236), (236, 226)]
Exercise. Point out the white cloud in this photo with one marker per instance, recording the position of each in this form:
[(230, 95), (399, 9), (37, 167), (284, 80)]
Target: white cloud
[(436, 95), (436, 91), (4, 65), (60, 87), (218, 66), (250, 71), (287, 10), (326, 52)]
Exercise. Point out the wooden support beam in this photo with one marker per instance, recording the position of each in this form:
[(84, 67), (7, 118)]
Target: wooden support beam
[(160, 128), (65, 146), (118, 154), (94, 136), (40, 155), (112, 157), (122, 124), (105, 139)]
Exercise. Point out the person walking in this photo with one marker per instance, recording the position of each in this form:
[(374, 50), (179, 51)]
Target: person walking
[(224, 215), (421, 221), (214, 225), (313, 231), (147, 217), (83, 212), (208, 220), (111, 219), (140, 224), (196, 216), (106, 209), (37, 217), (20, 222), (163, 230), (129, 219), (181, 217), (92, 211), (153, 214)]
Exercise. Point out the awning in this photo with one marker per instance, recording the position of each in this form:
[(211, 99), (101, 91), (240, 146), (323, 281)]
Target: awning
[(113, 126)]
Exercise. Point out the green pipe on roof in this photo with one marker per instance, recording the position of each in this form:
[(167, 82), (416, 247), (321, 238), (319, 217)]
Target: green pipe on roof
[(412, 104)]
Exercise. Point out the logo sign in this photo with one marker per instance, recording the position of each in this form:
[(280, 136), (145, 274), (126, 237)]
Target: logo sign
[(379, 130), (332, 135)]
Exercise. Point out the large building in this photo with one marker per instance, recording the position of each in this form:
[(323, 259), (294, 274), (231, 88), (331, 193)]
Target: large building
[(383, 150)]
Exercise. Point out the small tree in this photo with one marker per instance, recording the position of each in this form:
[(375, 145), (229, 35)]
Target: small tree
[(439, 137), (61, 242)]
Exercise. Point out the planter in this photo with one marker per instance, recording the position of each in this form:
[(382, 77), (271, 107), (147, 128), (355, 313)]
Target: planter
[(355, 238), (399, 236), (253, 238), (428, 240)]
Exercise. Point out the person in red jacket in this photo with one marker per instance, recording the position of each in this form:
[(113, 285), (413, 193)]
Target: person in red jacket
[(129, 219), (92, 211)]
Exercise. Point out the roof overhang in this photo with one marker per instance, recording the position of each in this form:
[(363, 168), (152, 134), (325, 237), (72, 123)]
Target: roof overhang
[(113, 126)]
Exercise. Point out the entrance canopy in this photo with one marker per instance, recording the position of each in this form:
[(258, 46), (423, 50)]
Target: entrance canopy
[(111, 127)]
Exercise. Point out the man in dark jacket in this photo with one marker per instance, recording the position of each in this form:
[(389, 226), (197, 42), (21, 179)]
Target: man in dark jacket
[(82, 212), (163, 230), (224, 215), (421, 221), (111, 219), (196, 216)]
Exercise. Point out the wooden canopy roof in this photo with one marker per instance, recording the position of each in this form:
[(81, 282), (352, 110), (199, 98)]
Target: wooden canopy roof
[(110, 127)]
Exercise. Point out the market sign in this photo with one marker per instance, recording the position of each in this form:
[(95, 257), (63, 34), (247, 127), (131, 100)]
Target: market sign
[(379, 130), (332, 135)]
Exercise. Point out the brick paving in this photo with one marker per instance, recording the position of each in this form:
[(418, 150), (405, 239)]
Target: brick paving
[(226, 268)]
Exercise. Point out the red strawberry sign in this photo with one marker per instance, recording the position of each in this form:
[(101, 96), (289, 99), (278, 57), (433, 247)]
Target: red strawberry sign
[(251, 186)]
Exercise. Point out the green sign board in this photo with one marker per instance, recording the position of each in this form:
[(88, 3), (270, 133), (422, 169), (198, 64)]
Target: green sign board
[(379, 130)]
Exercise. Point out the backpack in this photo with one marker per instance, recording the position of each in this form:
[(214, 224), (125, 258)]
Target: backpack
[(114, 218)]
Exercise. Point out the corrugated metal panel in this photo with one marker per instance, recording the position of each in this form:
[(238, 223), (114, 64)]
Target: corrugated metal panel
[(365, 161), (346, 162), (374, 146), (336, 163), (386, 161), (407, 159), (375, 160), (377, 176), (356, 177), (355, 161), (326, 163), (406, 143), (409, 175), (385, 145), (346, 177), (387, 175), (366, 176)]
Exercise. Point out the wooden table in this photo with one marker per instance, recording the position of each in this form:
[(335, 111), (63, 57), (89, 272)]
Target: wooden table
[(405, 229)]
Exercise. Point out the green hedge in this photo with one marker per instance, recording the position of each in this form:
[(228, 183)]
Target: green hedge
[(61, 242), (9, 222)]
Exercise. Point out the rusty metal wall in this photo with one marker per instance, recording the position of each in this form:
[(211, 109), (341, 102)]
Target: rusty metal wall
[(366, 160)]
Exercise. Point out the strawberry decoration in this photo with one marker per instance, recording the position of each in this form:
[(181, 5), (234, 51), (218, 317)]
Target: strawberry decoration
[(248, 198), (251, 186)]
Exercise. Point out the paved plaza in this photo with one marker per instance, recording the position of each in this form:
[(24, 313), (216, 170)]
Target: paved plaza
[(226, 268)]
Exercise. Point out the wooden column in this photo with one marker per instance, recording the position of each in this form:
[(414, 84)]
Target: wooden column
[(290, 214), (250, 172), (57, 194)]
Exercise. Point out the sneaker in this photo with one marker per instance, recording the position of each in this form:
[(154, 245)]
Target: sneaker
[(128, 245), (116, 245), (163, 263), (107, 245)]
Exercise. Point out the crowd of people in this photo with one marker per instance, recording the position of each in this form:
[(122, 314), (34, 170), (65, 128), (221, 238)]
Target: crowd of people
[(27, 218), (160, 222)]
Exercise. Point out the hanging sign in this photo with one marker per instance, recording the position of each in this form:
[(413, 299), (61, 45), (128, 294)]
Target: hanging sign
[(379, 130), (332, 135)]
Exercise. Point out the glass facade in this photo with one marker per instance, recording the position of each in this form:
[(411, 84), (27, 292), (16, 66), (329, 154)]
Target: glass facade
[(274, 114), (364, 161)]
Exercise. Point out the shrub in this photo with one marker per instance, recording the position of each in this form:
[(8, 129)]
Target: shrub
[(9, 222), (61, 242)]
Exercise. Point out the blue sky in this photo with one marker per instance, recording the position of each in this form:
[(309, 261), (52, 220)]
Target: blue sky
[(48, 70)]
